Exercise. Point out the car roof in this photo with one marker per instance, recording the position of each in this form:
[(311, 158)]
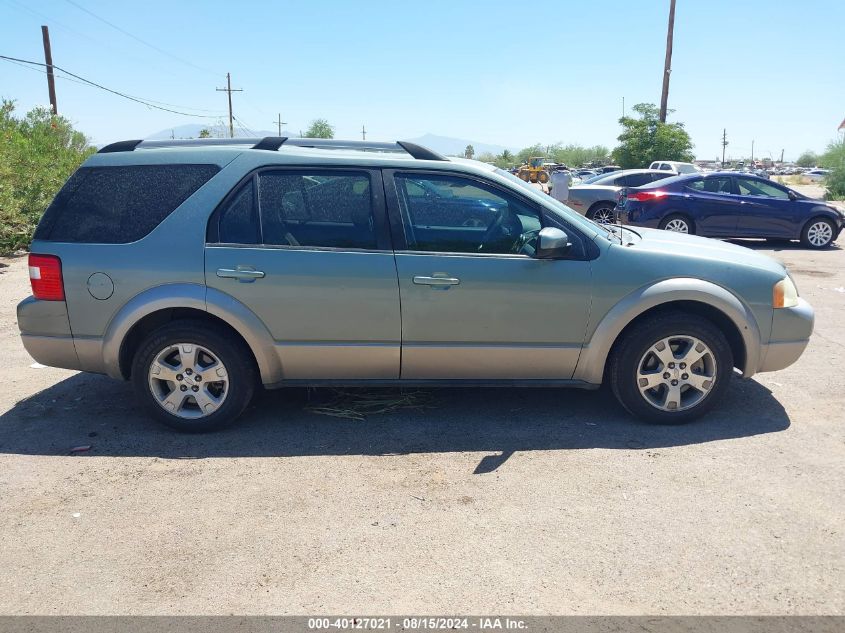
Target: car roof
[(278, 150)]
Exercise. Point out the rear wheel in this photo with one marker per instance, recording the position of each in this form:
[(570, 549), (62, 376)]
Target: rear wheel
[(543, 177), (524, 175), (818, 233), (603, 213), (677, 223), (193, 376), (671, 369)]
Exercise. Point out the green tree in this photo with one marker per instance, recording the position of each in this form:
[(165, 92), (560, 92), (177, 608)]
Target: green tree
[(469, 152), (38, 153), (205, 133), (645, 139), (535, 150), (319, 128), (487, 157), (807, 159), (834, 160)]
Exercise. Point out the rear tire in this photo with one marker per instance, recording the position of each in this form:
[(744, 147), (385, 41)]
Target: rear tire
[(193, 376), (678, 223), (671, 369), (543, 177), (603, 213), (818, 233)]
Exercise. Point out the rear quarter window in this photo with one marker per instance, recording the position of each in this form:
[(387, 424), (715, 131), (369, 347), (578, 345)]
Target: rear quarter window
[(117, 205)]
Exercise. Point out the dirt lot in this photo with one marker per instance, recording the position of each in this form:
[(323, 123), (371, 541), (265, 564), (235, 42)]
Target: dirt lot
[(506, 501)]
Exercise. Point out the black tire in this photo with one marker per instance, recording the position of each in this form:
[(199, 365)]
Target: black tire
[(599, 208), (809, 241), (680, 217), (226, 346), (627, 354), (542, 177)]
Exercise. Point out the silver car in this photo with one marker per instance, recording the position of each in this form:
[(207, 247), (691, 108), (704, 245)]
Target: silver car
[(597, 199), (202, 270)]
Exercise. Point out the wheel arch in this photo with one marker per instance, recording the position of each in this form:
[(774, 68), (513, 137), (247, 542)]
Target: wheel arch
[(161, 304), (694, 296)]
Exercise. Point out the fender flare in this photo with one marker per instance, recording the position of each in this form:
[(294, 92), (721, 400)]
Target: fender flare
[(198, 297), (595, 352)]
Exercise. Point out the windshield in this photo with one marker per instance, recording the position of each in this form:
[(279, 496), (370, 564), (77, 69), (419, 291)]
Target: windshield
[(558, 208)]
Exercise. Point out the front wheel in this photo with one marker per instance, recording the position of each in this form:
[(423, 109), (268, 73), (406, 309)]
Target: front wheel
[(671, 369), (818, 233), (193, 376)]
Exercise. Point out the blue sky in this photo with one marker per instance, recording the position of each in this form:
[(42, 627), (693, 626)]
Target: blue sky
[(496, 72)]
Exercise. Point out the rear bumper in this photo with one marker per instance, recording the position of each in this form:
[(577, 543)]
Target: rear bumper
[(53, 351), (45, 333)]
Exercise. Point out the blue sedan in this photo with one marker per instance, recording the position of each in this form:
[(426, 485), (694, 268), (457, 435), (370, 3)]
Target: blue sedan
[(729, 204)]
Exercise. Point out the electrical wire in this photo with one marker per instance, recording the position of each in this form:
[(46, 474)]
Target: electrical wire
[(144, 42), (140, 100)]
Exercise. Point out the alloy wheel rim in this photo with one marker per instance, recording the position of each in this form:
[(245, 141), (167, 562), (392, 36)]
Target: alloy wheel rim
[(677, 225), (603, 216), (188, 380), (676, 373), (819, 234)]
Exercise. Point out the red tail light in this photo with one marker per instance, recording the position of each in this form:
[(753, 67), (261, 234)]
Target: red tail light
[(646, 196), (45, 277)]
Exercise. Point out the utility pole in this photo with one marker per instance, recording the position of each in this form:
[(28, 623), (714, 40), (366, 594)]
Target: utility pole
[(781, 157), (752, 151), (280, 123), (667, 66), (363, 133), (48, 59), (724, 144), (623, 107), (228, 89)]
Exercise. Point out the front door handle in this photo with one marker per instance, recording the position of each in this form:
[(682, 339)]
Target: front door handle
[(241, 273), (436, 281)]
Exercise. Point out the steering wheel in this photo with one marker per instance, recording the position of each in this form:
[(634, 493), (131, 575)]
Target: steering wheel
[(526, 244), (499, 226)]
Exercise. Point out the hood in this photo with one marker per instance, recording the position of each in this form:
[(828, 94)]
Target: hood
[(658, 241)]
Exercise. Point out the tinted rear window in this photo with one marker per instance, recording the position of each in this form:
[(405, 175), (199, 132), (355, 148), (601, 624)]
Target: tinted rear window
[(116, 205)]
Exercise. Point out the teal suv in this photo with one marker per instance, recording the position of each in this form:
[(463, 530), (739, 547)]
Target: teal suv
[(201, 270)]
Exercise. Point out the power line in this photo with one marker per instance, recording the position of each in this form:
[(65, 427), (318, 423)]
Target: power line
[(138, 39), (140, 100)]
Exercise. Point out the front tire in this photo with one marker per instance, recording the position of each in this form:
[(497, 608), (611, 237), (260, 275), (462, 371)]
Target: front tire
[(671, 369), (193, 376), (818, 233), (678, 223)]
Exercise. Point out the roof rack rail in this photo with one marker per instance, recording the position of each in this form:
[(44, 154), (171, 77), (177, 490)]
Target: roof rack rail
[(273, 143)]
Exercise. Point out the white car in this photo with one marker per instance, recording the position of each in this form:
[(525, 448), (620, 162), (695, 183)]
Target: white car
[(674, 166), (816, 174)]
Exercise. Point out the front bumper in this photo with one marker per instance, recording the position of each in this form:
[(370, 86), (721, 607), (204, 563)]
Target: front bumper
[(791, 330)]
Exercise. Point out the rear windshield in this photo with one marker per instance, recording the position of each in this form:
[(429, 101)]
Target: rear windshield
[(117, 205)]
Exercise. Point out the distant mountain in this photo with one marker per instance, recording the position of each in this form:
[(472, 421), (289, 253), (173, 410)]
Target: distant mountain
[(450, 145), (192, 130)]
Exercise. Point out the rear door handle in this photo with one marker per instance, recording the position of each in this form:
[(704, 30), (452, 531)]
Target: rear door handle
[(436, 281), (242, 274)]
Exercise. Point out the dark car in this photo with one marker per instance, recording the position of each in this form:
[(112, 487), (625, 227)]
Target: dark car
[(730, 204)]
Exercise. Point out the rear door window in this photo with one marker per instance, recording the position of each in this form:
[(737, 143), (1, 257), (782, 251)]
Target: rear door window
[(117, 205), (635, 180), (711, 185), (319, 209)]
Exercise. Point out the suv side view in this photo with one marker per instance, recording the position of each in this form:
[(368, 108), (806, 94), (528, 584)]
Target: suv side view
[(201, 270)]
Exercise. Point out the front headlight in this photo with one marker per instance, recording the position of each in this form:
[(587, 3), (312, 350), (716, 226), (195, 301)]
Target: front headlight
[(784, 294)]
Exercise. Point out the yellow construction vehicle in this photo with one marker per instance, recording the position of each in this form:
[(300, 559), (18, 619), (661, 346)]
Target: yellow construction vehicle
[(534, 170)]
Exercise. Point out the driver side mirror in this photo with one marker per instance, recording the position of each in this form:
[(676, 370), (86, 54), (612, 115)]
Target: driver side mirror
[(791, 195), (552, 243)]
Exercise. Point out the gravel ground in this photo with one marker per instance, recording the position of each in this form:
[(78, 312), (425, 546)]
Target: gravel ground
[(488, 501)]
